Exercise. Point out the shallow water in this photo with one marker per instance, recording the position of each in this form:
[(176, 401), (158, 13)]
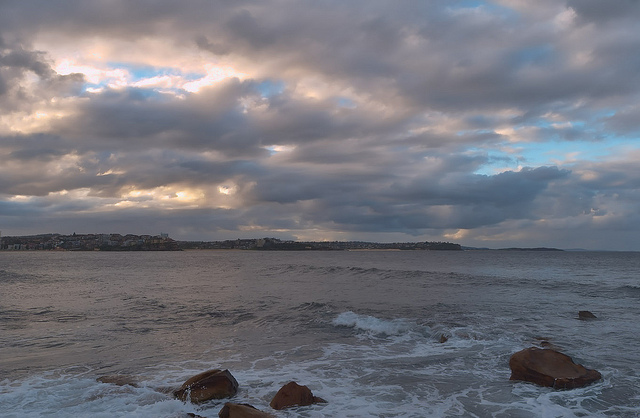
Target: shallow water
[(361, 329)]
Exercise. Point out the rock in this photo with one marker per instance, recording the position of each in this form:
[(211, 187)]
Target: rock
[(549, 345), (545, 343), (118, 379), (293, 394), (443, 339), (243, 410), (550, 368), (212, 384), (586, 315)]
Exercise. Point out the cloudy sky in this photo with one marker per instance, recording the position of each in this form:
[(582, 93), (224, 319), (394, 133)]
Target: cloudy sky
[(486, 123)]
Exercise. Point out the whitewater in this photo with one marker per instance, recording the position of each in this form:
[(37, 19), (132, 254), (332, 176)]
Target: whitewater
[(363, 330)]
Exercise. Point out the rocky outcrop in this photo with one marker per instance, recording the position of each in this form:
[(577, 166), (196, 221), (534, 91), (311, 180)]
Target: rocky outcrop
[(586, 315), (212, 384), (293, 394), (550, 368), (243, 410)]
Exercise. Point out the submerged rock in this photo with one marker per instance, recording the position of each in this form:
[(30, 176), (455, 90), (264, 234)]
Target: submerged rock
[(212, 384), (549, 345), (550, 368), (293, 394), (243, 410), (545, 343), (118, 379), (586, 315)]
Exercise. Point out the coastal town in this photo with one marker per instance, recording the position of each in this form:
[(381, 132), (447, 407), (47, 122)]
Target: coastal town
[(162, 242), (89, 242)]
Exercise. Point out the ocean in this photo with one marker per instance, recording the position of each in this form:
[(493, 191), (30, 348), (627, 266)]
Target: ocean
[(361, 329)]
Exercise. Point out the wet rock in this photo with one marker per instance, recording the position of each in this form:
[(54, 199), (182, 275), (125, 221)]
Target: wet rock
[(550, 368), (212, 384), (243, 410), (443, 339), (293, 394), (549, 345), (586, 315), (545, 343), (118, 379)]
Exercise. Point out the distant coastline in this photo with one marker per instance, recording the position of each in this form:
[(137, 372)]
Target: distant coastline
[(530, 249), (162, 242)]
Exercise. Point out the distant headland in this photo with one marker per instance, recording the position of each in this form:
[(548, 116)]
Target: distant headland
[(517, 249), (162, 242)]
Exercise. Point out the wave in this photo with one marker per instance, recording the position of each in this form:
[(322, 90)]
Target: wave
[(630, 287), (372, 324), (628, 290)]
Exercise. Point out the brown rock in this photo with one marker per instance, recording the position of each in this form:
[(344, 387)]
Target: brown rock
[(243, 410), (293, 394), (443, 339), (586, 315), (212, 384), (550, 368), (118, 379)]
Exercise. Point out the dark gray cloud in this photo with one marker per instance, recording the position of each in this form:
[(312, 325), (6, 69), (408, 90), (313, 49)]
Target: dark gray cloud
[(604, 12)]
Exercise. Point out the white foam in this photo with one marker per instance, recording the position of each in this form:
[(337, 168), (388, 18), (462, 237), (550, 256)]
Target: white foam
[(362, 380), (372, 324), (77, 396)]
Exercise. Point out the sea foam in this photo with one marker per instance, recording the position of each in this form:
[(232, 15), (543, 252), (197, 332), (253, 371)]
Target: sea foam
[(372, 324)]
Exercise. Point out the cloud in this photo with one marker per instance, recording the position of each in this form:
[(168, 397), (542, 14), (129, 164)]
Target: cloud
[(500, 122), (599, 12)]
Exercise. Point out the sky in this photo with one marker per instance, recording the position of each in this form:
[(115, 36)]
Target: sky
[(486, 123)]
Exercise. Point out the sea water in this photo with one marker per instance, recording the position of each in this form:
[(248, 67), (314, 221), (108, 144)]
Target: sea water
[(361, 329)]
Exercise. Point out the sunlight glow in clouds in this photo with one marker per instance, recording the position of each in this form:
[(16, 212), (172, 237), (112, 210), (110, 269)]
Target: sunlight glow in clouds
[(94, 75), (124, 77), (227, 190), (214, 75), (167, 197), (276, 149)]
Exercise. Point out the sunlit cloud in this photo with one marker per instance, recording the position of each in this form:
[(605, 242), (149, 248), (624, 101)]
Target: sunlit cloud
[(227, 189), (93, 74), (214, 75), (276, 149)]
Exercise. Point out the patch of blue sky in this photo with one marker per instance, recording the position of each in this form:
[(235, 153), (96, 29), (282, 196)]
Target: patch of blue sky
[(559, 153), (270, 88), (553, 153), (489, 161), (346, 102), (136, 73), (139, 72), (484, 5)]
